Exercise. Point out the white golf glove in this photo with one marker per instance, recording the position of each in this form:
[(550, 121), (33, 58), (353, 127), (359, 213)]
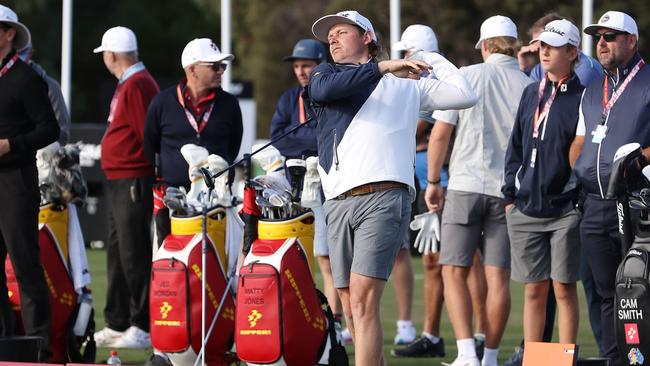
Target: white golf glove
[(311, 184), (428, 239)]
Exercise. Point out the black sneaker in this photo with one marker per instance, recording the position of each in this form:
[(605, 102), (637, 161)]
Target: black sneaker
[(421, 347), (516, 358), (158, 360), (479, 345)]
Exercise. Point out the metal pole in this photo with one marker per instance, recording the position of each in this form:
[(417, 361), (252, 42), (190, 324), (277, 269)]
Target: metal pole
[(587, 18), (394, 27), (226, 17), (66, 51)]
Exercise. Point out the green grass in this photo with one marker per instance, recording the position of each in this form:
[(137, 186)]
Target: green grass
[(512, 337)]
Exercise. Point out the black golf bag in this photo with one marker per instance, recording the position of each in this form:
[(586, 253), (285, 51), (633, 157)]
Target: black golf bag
[(630, 186)]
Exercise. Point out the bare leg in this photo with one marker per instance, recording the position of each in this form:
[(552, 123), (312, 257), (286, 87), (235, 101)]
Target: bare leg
[(498, 304), (478, 290), (457, 297), (402, 277), (568, 313), (328, 284), (535, 310), (433, 293), (364, 297)]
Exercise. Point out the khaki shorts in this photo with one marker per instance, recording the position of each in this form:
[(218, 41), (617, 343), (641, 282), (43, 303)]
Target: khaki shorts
[(472, 221), (365, 233), (544, 248)]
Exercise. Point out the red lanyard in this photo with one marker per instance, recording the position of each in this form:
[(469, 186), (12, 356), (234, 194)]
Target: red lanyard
[(609, 103), (540, 117), (8, 66), (197, 126)]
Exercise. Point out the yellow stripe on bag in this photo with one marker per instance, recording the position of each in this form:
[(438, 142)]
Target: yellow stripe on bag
[(301, 227)]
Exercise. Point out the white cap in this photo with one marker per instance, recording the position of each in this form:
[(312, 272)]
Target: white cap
[(203, 50), (496, 26), (417, 37), (322, 26), (558, 33), (23, 37), (615, 20), (118, 39)]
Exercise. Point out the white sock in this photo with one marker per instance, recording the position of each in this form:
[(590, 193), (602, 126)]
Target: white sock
[(466, 348), (404, 324), (490, 357), (431, 337)]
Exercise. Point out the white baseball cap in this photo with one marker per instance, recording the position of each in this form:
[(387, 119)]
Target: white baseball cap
[(322, 26), (615, 20), (203, 50), (496, 26), (417, 36), (558, 33), (118, 39), (23, 37)]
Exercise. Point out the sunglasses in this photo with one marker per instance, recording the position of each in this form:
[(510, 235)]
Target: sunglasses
[(609, 36), (215, 66)]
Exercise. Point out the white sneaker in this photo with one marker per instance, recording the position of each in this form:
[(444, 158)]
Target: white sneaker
[(133, 337), (405, 335), (469, 362), (107, 337), (346, 336)]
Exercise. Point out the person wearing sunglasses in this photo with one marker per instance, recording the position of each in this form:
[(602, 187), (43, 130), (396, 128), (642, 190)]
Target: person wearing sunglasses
[(614, 111), (194, 111)]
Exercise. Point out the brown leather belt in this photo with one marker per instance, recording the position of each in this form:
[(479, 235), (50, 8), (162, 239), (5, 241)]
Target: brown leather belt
[(370, 188)]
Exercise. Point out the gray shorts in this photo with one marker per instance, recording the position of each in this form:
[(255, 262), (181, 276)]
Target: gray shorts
[(365, 233), (544, 248), (472, 221)]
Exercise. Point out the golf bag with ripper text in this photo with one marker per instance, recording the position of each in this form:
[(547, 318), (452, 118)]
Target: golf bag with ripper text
[(280, 318), (175, 292)]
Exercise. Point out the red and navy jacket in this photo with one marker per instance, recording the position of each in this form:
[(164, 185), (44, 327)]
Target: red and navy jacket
[(301, 142), (546, 188)]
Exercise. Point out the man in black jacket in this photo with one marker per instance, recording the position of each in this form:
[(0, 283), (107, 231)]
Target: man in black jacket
[(27, 123)]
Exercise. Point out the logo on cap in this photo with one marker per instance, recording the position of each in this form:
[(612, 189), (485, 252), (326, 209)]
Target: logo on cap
[(552, 29), (347, 15), (604, 19), (214, 46)]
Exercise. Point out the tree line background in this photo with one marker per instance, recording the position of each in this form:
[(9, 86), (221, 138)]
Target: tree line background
[(263, 32)]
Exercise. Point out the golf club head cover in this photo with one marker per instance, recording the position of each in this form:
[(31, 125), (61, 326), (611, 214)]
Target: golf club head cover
[(249, 214), (196, 157), (296, 169), (217, 164), (269, 160), (623, 165), (311, 188)]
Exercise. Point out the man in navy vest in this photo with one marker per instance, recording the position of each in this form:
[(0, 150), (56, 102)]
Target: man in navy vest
[(615, 110)]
